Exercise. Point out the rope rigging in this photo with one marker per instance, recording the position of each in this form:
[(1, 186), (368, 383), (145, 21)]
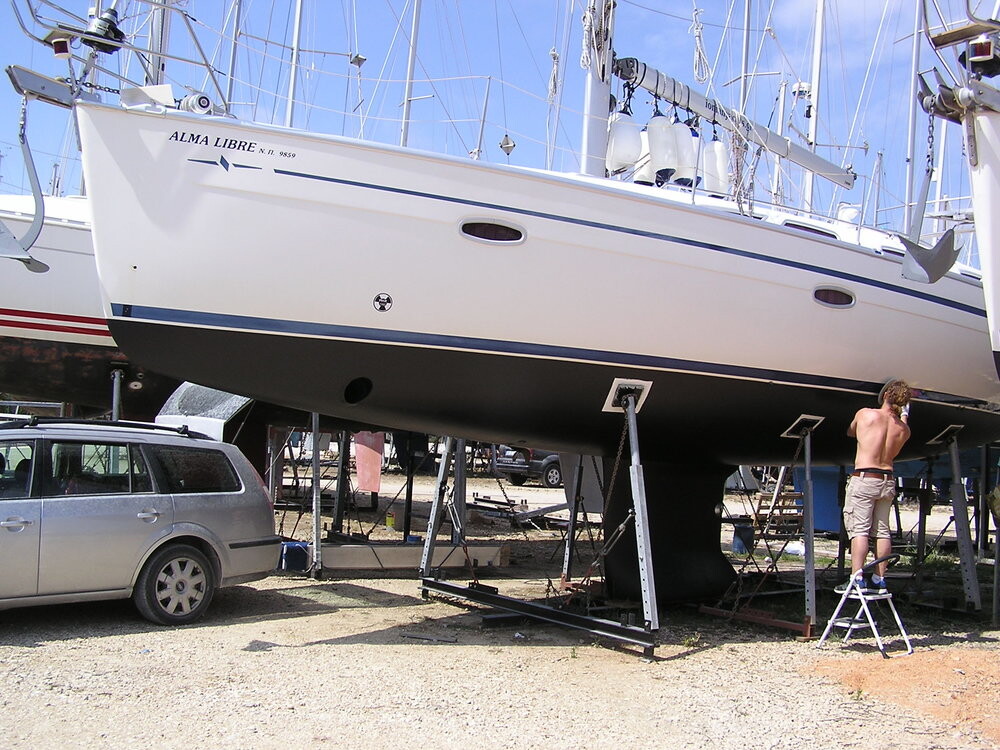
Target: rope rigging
[(701, 68)]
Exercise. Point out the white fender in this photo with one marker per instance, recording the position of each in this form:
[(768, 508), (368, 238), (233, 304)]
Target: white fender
[(687, 153), (644, 172), (715, 167), (624, 142), (662, 147)]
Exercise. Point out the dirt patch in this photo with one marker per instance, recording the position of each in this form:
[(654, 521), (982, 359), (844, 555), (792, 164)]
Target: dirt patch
[(959, 686)]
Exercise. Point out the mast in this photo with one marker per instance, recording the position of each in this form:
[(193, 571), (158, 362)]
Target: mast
[(817, 61), (745, 58), (777, 196), (411, 64), (159, 34), (598, 27), (294, 68), (911, 138), (237, 9)]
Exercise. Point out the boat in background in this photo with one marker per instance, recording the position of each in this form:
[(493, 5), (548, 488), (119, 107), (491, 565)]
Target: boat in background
[(54, 339)]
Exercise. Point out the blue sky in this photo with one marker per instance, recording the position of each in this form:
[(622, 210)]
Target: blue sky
[(508, 43)]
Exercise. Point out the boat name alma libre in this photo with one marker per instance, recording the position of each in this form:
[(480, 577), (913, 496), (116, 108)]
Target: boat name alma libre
[(219, 142)]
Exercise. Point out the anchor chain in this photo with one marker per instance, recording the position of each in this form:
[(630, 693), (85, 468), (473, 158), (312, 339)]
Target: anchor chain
[(97, 87)]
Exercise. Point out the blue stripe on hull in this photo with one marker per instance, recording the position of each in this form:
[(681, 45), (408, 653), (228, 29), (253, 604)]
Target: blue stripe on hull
[(491, 346)]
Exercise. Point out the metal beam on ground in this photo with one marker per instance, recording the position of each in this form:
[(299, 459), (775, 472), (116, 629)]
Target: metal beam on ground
[(489, 595)]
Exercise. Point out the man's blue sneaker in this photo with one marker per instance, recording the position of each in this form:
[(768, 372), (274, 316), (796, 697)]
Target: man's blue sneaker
[(879, 587), (862, 585)]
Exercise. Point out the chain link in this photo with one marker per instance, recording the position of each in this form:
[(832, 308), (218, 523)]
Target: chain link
[(99, 87), (23, 124), (930, 143)]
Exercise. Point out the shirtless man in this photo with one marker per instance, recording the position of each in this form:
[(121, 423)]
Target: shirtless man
[(881, 434)]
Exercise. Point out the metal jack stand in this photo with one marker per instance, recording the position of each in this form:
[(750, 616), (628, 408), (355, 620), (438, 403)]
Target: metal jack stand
[(437, 508), (960, 512), (317, 500), (625, 396), (574, 516), (803, 428)]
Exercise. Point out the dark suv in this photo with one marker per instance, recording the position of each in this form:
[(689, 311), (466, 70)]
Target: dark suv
[(521, 464)]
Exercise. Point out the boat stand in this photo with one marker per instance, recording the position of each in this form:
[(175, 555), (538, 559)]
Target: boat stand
[(801, 429), (854, 592), (626, 397), (960, 514)]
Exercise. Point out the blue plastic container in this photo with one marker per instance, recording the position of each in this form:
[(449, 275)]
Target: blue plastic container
[(294, 556)]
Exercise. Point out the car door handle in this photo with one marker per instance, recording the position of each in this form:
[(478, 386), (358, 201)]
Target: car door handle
[(15, 523), (148, 515)]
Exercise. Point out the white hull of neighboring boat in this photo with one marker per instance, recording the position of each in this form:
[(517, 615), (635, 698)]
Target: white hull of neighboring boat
[(985, 180), (59, 304), (334, 275), (54, 340)]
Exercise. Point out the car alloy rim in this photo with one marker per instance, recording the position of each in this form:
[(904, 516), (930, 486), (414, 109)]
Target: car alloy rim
[(180, 586)]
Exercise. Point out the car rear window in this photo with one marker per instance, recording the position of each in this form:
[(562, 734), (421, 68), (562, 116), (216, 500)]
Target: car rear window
[(83, 468), (15, 468), (195, 469)]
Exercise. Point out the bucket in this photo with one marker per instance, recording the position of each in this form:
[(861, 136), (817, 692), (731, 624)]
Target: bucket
[(295, 556), (743, 540)]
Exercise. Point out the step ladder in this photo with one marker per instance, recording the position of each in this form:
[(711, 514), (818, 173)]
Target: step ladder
[(863, 619)]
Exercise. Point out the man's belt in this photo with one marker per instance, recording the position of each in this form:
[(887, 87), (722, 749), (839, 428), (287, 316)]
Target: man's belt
[(872, 473)]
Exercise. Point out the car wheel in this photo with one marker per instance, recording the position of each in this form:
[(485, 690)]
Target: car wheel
[(175, 586), (552, 476), (518, 479)]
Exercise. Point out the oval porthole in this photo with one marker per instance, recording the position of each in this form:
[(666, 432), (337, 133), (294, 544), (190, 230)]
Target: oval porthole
[(357, 390), (811, 229), (493, 232), (833, 297)]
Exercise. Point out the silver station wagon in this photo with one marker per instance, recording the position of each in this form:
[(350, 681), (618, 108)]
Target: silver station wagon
[(102, 510)]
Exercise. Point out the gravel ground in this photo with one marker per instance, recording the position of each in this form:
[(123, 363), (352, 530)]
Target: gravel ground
[(295, 662), (366, 662)]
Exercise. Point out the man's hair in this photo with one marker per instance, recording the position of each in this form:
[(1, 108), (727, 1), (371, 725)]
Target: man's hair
[(896, 394)]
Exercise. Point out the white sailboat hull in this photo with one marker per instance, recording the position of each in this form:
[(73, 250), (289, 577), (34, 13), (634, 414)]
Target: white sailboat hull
[(333, 275)]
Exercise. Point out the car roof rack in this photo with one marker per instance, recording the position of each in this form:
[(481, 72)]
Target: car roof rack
[(19, 421)]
